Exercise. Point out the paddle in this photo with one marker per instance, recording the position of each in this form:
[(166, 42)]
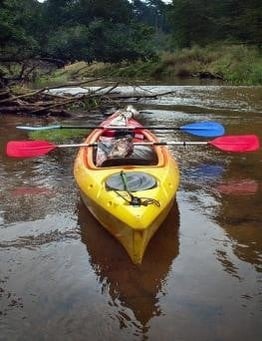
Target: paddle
[(203, 129), (234, 143)]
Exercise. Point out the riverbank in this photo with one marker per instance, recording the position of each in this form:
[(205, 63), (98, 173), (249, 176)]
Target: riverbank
[(235, 65), (220, 65)]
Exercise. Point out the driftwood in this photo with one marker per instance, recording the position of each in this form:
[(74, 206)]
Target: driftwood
[(46, 102)]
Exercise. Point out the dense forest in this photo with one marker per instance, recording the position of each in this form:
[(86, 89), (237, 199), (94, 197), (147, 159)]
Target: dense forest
[(116, 30)]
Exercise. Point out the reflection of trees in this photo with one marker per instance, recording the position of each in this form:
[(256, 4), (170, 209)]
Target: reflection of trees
[(240, 216), (133, 289)]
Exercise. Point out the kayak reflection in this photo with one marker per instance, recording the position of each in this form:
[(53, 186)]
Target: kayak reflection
[(239, 213), (134, 289)]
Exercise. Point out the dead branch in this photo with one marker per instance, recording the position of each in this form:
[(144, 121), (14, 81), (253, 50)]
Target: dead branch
[(44, 102), (30, 94)]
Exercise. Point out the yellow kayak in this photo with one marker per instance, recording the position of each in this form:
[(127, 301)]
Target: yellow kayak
[(130, 196)]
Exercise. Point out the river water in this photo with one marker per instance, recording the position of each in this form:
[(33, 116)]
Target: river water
[(63, 277)]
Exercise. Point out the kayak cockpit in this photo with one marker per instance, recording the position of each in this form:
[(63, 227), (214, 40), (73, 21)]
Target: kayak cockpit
[(121, 148)]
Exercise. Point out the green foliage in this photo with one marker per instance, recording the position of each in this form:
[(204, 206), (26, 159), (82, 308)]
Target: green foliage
[(70, 43), (122, 31), (17, 31), (239, 65), (94, 30), (50, 80), (153, 13), (72, 30), (203, 22), (236, 64)]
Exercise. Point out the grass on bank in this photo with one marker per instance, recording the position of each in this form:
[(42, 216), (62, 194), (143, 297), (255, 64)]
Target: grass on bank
[(71, 72), (240, 65), (235, 64)]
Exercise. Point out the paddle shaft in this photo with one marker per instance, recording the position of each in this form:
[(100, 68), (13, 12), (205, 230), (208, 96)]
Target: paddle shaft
[(120, 127), (234, 143), (124, 128), (203, 129), (171, 143)]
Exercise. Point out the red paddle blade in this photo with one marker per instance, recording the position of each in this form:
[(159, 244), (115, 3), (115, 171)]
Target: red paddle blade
[(28, 148), (236, 143)]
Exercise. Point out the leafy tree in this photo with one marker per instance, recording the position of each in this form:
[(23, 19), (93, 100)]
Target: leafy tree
[(101, 41), (115, 11), (121, 29), (152, 13), (17, 38), (114, 43), (64, 12), (204, 21), (243, 20), (70, 44), (192, 22), (95, 30)]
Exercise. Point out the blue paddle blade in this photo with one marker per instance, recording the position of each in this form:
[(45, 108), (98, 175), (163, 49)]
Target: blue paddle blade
[(38, 128), (204, 129)]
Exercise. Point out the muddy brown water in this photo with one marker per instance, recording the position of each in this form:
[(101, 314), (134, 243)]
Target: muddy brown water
[(62, 277)]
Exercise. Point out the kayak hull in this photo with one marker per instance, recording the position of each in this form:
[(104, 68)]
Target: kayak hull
[(132, 225), (134, 240)]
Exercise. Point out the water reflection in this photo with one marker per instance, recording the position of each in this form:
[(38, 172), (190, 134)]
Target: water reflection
[(238, 187), (204, 172), (34, 186), (234, 203), (134, 290)]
